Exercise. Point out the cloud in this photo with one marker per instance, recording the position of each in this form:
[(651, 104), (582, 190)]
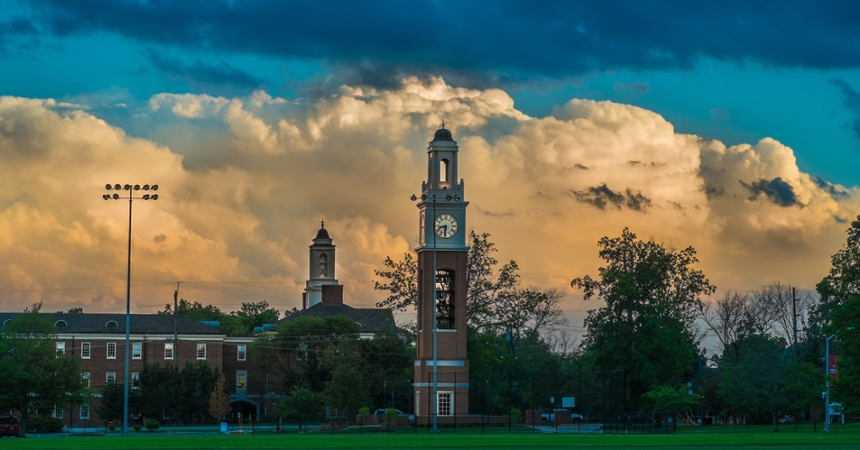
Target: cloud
[(776, 190), (245, 181), (380, 42), (836, 191), (220, 77), (631, 90), (601, 196), (851, 102)]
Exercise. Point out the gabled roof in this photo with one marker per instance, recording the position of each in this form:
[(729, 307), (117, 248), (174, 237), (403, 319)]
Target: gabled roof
[(140, 323), (370, 319)]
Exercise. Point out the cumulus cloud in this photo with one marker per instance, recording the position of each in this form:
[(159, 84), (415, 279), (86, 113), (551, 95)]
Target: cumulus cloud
[(245, 181)]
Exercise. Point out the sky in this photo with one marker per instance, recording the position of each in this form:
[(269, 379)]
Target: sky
[(732, 127)]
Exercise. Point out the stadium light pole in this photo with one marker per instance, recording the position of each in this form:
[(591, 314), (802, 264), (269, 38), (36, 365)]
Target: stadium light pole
[(115, 196)]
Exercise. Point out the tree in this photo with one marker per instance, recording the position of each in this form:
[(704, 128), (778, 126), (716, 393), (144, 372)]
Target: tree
[(668, 398), (301, 401), (294, 354), (766, 380), (35, 377), (181, 395), (219, 401), (652, 298), (236, 323), (347, 390), (839, 314)]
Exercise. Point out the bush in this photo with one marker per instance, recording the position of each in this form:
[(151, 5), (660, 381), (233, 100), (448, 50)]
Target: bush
[(44, 424), (516, 415), (138, 427), (364, 411), (111, 427), (151, 424)]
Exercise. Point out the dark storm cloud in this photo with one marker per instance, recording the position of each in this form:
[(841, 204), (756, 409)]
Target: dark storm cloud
[(836, 192), (776, 190), (601, 196), (220, 75), (480, 41), (851, 102)]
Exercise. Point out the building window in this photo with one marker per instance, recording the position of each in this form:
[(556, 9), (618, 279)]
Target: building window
[(61, 348), (445, 300), (85, 411), (85, 350), (111, 378), (201, 351), (135, 380), (86, 378), (241, 379), (168, 350), (58, 411), (135, 350), (241, 352), (111, 350), (445, 403)]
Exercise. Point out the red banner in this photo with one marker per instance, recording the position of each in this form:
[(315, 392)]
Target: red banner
[(831, 367)]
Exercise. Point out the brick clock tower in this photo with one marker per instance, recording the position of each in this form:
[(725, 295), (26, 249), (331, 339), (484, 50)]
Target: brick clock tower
[(441, 366)]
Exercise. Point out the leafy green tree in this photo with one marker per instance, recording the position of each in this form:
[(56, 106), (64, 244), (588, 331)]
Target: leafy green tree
[(347, 390), (182, 395), (111, 405), (668, 398), (294, 354), (236, 323), (839, 313), (392, 361), (301, 401), (35, 377), (652, 297), (767, 379)]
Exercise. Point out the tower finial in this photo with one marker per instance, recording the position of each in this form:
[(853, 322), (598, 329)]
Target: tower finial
[(443, 124), (322, 224)]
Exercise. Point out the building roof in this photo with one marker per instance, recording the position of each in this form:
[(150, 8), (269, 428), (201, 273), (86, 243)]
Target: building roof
[(370, 319), (104, 323)]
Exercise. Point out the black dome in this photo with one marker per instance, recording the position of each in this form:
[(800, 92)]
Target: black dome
[(322, 233), (443, 135)]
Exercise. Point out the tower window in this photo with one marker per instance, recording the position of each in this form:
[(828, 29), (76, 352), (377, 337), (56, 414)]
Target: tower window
[(323, 265), (445, 300), (443, 170)]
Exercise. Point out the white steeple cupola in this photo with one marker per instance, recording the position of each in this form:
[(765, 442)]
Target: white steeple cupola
[(442, 164), (442, 222), (321, 268)]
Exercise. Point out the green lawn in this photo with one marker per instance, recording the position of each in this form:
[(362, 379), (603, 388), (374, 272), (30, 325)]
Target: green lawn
[(712, 437)]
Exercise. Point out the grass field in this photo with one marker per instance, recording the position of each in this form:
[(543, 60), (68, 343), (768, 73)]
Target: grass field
[(712, 437)]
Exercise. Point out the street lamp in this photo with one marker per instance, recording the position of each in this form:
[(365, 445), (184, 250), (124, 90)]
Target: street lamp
[(827, 378), (116, 196)]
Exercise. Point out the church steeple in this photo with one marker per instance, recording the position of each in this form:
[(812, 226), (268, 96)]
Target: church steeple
[(321, 270), (442, 207)]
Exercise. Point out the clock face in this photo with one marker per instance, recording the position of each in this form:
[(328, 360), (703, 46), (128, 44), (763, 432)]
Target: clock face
[(445, 226)]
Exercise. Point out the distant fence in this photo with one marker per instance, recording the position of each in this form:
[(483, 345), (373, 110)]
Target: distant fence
[(510, 403)]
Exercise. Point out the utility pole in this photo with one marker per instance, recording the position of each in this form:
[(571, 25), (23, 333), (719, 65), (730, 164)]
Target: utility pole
[(175, 332), (794, 313)]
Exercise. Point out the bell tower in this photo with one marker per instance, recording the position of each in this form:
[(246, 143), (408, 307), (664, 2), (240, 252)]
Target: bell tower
[(322, 286), (441, 386)]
